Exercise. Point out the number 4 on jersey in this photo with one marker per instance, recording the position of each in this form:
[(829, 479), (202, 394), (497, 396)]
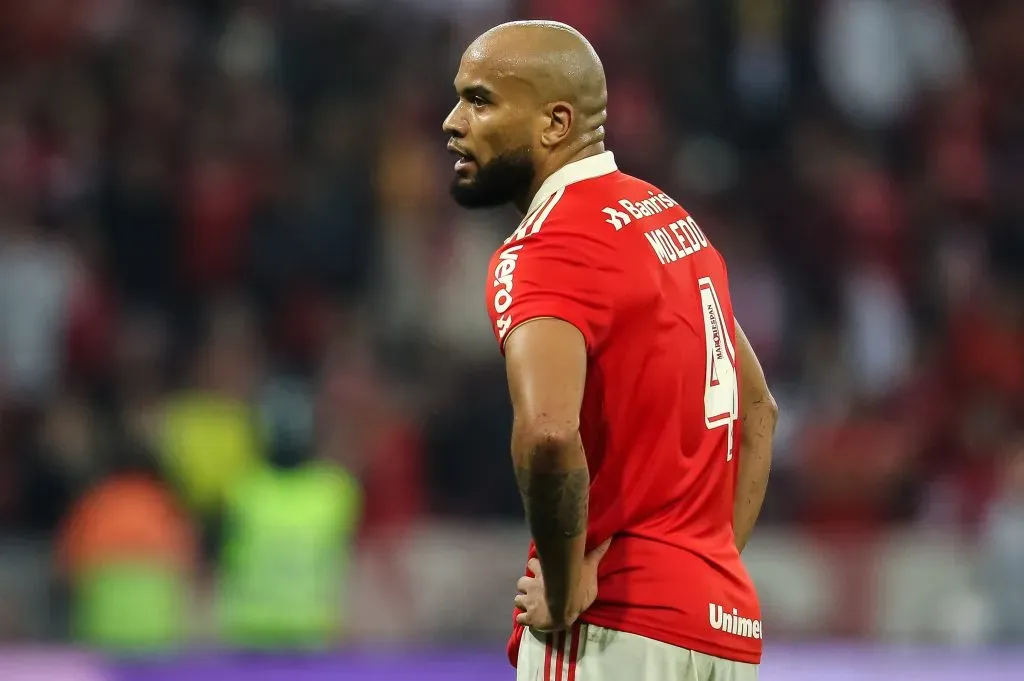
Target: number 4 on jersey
[(721, 389)]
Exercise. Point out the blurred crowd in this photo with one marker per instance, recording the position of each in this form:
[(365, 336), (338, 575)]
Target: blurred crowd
[(226, 243)]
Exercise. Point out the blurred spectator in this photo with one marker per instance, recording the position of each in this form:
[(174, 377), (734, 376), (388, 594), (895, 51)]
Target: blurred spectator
[(878, 55), (128, 552), (36, 280), (210, 435), (288, 530)]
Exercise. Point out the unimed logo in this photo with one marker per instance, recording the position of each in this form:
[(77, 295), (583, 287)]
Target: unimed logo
[(733, 623)]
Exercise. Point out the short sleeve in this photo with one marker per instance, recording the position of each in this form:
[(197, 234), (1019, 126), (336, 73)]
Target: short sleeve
[(555, 273)]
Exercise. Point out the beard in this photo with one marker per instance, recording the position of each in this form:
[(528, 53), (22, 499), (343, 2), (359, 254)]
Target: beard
[(506, 178)]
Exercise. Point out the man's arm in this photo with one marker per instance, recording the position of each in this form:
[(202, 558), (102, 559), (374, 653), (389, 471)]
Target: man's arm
[(760, 414), (546, 362)]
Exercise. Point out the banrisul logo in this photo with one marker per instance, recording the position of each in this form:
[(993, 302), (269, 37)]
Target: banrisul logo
[(732, 622), (616, 218)]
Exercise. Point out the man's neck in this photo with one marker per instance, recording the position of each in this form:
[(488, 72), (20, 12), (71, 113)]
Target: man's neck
[(553, 167)]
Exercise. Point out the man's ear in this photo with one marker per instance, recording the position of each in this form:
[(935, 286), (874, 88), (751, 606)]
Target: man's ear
[(560, 117)]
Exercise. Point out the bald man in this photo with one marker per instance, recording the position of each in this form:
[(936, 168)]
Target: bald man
[(629, 378)]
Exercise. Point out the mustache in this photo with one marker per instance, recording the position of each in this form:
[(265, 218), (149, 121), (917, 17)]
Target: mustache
[(456, 149)]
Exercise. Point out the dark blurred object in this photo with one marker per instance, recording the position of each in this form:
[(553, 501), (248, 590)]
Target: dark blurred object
[(68, 458)]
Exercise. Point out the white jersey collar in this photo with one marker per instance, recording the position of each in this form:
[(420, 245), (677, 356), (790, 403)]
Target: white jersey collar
[(577, 171)]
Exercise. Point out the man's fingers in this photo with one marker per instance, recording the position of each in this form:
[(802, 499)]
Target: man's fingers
[(597, 554), (520, 601), (524, 584), (527, 620), (533, 565)]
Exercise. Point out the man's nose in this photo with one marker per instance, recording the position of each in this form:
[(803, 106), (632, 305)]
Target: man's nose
[(454, 124)]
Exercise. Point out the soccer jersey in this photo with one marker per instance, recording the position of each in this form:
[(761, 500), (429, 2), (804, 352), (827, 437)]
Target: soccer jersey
[(626, 265)]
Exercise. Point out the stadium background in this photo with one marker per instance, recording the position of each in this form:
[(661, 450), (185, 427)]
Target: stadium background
[(226, 244)]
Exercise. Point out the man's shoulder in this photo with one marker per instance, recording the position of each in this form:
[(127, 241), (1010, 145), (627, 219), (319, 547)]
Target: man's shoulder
[(593, 210), (578, 206), (618, 200), (569, 210)]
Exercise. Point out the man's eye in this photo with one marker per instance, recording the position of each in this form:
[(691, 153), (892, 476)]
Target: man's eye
[(478, 101)]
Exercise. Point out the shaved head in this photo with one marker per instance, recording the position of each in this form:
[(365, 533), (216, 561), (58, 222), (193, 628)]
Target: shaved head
[(532, 97), (553, 59)]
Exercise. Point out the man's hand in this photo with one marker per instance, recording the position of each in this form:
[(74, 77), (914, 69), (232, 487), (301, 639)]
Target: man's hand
[(532, 598)]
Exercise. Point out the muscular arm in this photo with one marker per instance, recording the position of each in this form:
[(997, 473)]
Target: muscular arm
[(546, 361), (760, 414)]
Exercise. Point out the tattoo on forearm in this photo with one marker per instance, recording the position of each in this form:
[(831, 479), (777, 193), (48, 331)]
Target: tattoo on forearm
[(556, 503)]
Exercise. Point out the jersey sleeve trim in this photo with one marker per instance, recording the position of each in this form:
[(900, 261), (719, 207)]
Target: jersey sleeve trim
[(562, 272), (559, 316)]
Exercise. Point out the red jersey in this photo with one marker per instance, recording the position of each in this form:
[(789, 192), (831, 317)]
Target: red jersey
[(624, 263)]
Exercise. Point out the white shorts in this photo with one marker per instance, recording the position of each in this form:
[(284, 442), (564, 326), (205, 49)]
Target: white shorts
[(592, 653)]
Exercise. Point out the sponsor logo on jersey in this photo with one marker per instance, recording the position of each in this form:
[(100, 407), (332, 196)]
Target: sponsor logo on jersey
[(629, 210), (732, 622), (616, 218), (504, 273)]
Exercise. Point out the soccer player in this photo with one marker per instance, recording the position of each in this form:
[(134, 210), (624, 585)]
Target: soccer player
[(642, 423)]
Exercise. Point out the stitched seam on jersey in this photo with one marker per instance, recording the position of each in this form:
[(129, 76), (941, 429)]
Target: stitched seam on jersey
[(545, 212), (578, 171), (522, 230), (533, 319)]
